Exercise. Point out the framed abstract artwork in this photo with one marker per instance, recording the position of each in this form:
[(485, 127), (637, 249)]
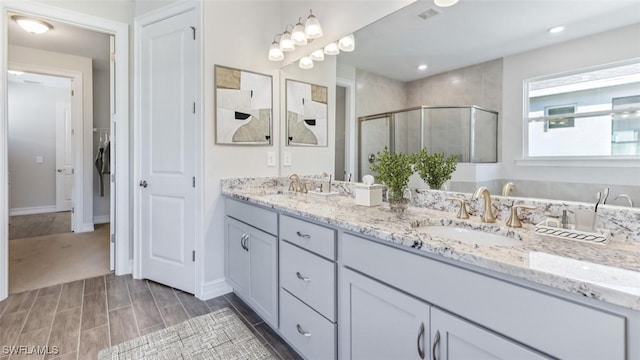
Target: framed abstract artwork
[(244, 103), (307, 120)]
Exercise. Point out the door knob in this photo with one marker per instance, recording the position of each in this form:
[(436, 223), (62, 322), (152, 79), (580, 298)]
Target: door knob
[(144, 183)]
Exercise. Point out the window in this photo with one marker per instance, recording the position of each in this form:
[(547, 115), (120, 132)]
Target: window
[(590, 113)]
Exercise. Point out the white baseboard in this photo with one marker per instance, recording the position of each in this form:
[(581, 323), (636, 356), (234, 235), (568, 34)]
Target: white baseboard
[(32, 210), (215, 288), (88, 227), (102, 219)]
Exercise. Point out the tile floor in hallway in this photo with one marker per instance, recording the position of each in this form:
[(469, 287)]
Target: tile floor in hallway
[(82, 317)]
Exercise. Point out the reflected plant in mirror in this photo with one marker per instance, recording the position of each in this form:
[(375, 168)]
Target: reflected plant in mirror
[(435, 169), (394, 170)]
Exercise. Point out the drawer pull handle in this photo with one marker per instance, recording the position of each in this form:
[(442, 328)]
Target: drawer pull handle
[(420, 337), (436, 341), (304, 236), (303, 278), (302, 332)]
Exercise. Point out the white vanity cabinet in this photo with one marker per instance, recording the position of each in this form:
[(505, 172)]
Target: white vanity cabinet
[(308, 287), (252, 257)]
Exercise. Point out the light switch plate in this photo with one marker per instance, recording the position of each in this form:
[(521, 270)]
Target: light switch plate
[(286, 158), (271, 158), (39, 159)]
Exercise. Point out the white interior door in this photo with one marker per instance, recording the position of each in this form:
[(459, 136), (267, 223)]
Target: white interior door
[(167, 136), (64, 157)]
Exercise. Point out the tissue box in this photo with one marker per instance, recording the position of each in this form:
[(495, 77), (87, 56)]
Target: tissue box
[(368, 195)]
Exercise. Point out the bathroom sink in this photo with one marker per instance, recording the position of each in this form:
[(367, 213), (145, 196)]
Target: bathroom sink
[(467, 236)]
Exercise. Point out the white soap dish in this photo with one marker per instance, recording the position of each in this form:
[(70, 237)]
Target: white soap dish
[(600, 236)]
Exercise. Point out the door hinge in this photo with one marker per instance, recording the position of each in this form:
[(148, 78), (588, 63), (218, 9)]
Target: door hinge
[(193, 256), (72, 93), (73, 210), (193, 28), (194, 107), (113, 238), (193, 181)]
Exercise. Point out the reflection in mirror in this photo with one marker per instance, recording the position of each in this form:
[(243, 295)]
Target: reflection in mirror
[(470, 63)]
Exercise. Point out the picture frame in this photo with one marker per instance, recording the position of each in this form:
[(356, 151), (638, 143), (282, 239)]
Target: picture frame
[(307, 120), (244, 107)]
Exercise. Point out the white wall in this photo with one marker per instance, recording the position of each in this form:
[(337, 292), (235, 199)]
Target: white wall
[(603, 48), (32, 133), (48, 59)]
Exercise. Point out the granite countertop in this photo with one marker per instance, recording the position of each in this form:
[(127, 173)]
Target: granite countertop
[(610, 273)]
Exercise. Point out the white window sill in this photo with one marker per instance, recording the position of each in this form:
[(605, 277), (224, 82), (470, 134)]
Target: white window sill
[(580, 162)]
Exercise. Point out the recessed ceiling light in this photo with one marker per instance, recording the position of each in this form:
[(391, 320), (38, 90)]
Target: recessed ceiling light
[(33, 26), (556, 29), (445, 3), (422, 67), (15, 72)]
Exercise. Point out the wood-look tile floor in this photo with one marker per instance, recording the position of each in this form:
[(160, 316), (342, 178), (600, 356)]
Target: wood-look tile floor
[(82, 317)]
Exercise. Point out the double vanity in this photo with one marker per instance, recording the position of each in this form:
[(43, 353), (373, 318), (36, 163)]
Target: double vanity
[(338, 280)]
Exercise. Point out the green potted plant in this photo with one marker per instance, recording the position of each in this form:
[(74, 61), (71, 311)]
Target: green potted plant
[(434, 168), (394, 170)]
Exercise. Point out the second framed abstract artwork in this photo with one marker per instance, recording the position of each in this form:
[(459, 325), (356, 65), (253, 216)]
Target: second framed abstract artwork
[(307, 119), (243, 107)]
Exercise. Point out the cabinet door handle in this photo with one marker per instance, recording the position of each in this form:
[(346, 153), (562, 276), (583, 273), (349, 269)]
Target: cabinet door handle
[(420, 338), (304, 236), (303, 278), (246, 242), (302, 332), (436, 341)]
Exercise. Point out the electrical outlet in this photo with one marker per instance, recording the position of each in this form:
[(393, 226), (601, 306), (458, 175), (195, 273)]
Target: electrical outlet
[(39, 159), (286, 158), (271, 158)]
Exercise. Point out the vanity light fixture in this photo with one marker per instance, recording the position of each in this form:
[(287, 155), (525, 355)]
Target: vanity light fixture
[(305, 63), (275, 53), (312, 27), (317, 55), (556, 29), (332, 49), (347, 43), (445, 3), (286, 44), (298, 35), (32, 26), (422, 67)]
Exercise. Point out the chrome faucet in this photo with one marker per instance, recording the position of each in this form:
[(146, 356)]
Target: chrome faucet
[(297, 185), (625, 196), (487, 215)]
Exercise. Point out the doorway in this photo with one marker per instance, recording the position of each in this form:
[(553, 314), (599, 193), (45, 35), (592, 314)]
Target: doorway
[(119, 101)]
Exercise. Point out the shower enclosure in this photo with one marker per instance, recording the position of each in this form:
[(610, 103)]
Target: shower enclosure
[(470, 133)]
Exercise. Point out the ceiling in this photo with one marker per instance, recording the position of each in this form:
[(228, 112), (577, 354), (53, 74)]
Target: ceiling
[(66, 39), (475, 31)]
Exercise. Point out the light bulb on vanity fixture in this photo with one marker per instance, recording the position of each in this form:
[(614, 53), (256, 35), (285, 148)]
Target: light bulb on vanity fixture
[(332, 49), (286, 44), (298, 36), (347, 43), (305, 63), (312, 27), (275, 53), (32, 26), (317, 55)]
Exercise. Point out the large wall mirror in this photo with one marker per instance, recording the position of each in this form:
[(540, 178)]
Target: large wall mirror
[(493, 56)]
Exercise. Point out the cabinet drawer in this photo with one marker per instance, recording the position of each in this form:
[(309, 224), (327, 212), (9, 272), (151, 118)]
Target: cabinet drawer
[(262, 219), (315, 238), (553, 325), (309, 277), (312, 335)]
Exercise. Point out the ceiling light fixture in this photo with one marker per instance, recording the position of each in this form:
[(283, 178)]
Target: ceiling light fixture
[(15, 72), (275, 54), (305, 63), (298, 36), (332, 49), (317, 55), (347, 43), (445, 3), (312, 27), (422, 67), (32, 26), (556, 29)]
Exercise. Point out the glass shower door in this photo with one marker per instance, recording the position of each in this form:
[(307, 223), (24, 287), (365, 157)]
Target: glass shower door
[(374, 136)]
